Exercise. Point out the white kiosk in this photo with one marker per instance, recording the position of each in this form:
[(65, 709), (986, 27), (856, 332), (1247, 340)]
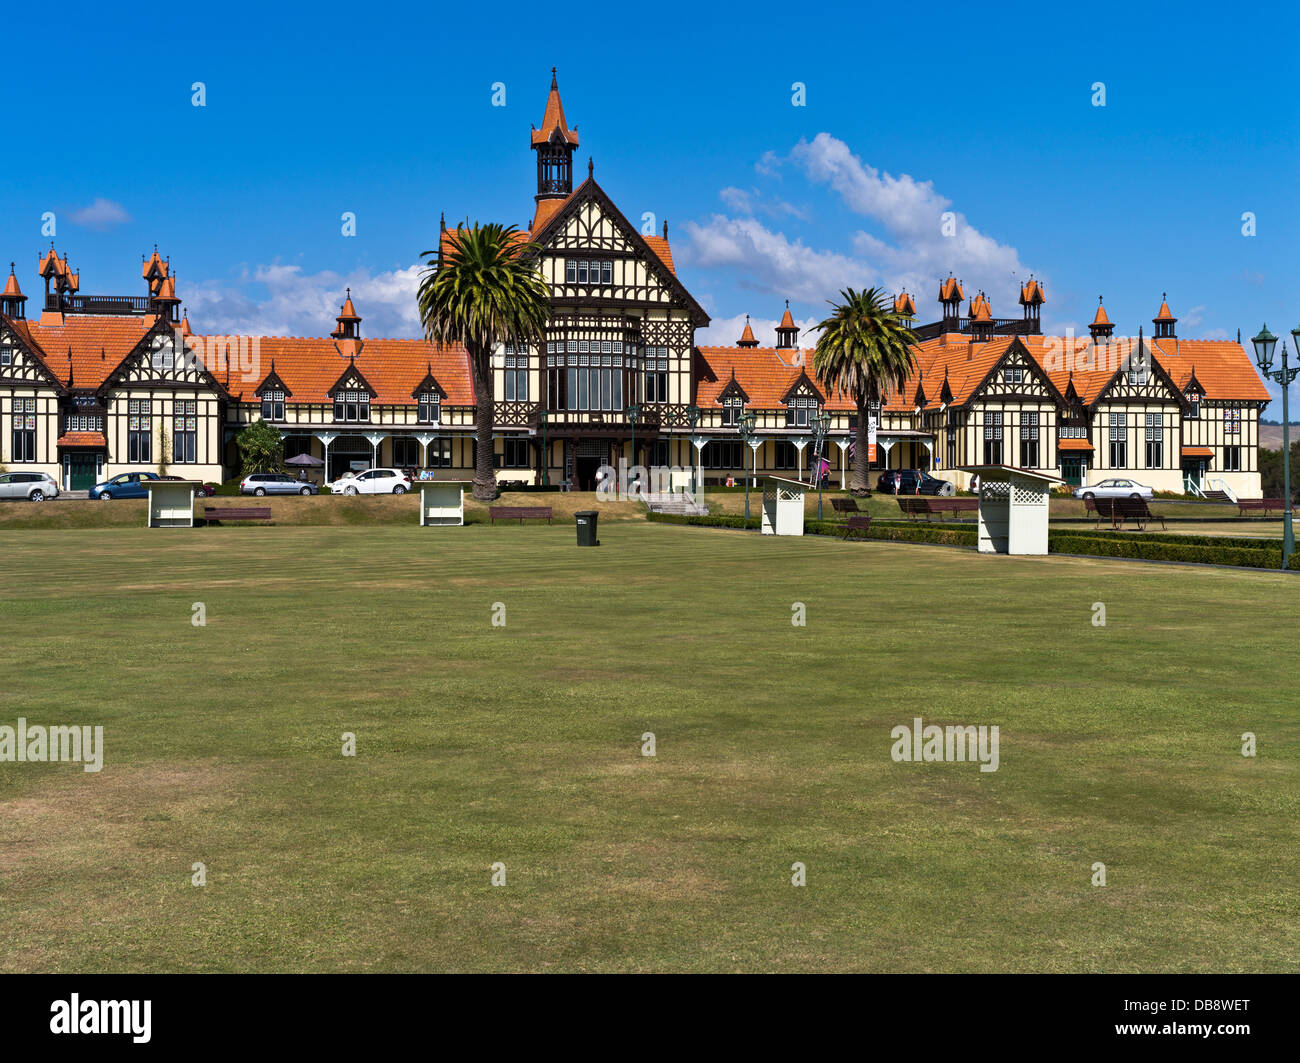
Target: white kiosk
[(171, 503), (783, 505), (1013, 509), (442, 502)]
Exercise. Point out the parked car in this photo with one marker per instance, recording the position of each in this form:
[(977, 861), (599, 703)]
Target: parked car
[(205, 490), (33, 486), (1115, 488), (124, 485), (372, 482), (275, 483), (907, 482)]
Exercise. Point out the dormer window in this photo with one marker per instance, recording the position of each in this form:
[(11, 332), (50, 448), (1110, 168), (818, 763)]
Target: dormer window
[(352, 406), (799, 410), (1138, 371), (732, 407), (273, 406), (1193, 407), (430, 408)]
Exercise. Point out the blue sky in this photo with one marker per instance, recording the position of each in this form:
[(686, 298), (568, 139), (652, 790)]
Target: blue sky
[(386, 111)]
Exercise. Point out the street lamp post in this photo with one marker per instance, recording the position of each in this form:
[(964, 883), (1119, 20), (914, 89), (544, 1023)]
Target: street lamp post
[(746, 424), (542, 416), (1264, 344), (693, 414), (821, 425), (633, 414)]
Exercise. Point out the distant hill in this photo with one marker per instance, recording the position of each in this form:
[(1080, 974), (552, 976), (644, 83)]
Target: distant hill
[(1270, 436)]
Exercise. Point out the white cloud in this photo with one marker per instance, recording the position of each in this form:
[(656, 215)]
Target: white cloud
[(752, 201), (906, 249), (280, 300), (101, 214), (768, 262), (1195, 316)]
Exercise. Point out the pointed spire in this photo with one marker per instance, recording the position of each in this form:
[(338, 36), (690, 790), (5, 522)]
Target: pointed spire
[(787, 333), (12, 299), (553, 120), (747, 337)]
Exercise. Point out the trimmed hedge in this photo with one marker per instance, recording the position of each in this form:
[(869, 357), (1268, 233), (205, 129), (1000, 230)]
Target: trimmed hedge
[(1144, 546)]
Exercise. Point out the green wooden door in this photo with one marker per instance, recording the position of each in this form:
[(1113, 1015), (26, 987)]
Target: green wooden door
[(1072, 471), (81, 472)]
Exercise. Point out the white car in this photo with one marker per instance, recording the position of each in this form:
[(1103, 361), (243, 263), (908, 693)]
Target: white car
[(1115, 488), (372, 482), (33, 486)]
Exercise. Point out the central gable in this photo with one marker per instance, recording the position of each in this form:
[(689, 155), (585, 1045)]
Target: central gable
[(590, 230)]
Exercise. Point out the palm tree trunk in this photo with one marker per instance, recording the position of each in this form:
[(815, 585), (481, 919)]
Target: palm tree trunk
[(861, 459), (485, 477)]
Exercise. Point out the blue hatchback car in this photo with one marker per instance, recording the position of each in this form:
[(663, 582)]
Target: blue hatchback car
[(125, 485)]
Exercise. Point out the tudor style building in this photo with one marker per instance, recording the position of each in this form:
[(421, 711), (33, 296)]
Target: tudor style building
[(102, 384), (98, 385)]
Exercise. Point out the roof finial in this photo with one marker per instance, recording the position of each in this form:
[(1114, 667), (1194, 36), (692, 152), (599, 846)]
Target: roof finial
[(591, 167)]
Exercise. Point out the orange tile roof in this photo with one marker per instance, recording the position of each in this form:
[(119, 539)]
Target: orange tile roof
[(904, 304), (659, 245), (786, 320), (747, 337), (553, 119), (310, 366), (1074, 444), (1100, 318), (765, 374), (1222, 367), (348, 312), (81, 439), (950, 289), (979, 308), (1163, 314), (85, 348), (1198, 452), (1031, 294), (546, 210)]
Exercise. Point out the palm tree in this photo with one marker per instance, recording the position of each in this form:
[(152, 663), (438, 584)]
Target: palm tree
[(485, 290), (865, 349)]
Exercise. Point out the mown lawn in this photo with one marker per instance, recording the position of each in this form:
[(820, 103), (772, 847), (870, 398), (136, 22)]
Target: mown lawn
[(521, 744)]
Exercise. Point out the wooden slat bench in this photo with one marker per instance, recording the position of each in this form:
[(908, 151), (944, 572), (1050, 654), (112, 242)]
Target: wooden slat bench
[(922, 505), (522, 513), (954, 505), (845, 505), (1119, 510), (856, 527), (1259, 505), (913, 506), (215, 515)]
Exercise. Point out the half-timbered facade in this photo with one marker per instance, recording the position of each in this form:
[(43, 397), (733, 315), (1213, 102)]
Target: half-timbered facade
[(95, 385), (100, 385), (1177, 415)]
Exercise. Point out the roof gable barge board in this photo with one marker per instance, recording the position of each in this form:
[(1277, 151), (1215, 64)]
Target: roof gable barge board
[(1159, 387), (33, 367), (590, 192), (1017, 355)]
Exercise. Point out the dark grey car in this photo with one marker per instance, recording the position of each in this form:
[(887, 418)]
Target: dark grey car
[(275, 483)]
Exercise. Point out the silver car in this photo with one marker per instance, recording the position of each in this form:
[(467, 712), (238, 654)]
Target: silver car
[(275, 483), (34, 486), (1117, 487)]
